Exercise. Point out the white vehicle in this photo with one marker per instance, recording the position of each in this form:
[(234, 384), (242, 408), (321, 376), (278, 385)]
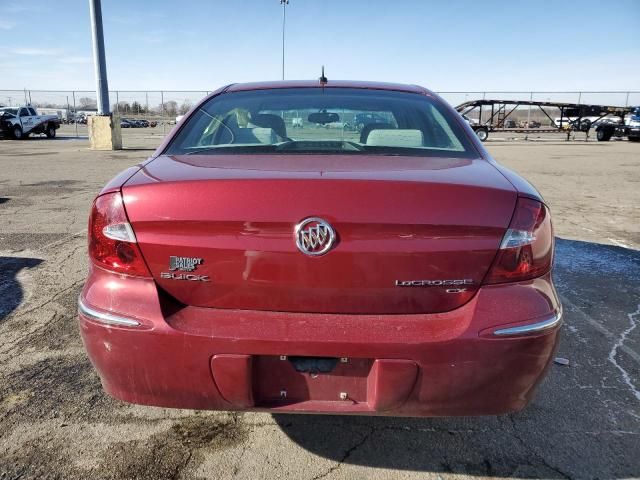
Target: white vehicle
[(584, 121), (470, 121), (20, 122), (62, 113), (482, 131)]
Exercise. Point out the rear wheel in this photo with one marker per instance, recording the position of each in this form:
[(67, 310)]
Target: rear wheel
[(585, 125), (482, 134), (51, 131), (603, 136), (17, 133)]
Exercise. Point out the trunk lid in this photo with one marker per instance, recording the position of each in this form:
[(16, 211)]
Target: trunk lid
[(413, 234)]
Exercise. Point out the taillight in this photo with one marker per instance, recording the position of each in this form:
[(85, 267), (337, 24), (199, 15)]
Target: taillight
[(526, 250), (112, 243)]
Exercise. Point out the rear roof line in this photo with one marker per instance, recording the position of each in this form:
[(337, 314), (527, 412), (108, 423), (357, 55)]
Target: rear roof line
[(399, 87)]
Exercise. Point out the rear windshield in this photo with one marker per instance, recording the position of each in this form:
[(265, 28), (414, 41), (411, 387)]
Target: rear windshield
[(330, 120)]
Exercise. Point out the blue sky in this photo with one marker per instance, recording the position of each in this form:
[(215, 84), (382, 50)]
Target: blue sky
[(454, 45)]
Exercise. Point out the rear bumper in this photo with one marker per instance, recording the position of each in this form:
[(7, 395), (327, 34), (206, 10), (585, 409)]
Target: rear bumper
[(483, 358)]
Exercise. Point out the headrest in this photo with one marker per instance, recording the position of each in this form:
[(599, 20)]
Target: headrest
[(269, 120), (395, 138), (366, 130)]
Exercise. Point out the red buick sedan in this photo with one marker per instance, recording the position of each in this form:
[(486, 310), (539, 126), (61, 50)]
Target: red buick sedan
[(325, 247)]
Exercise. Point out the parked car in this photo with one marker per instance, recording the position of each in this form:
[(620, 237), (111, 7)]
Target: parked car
[(583, 123), (361, 120), (510, 124), (400, 271), (124, 123), (528, 124)]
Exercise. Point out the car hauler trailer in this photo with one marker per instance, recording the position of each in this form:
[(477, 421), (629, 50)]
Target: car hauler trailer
[(493, 116)]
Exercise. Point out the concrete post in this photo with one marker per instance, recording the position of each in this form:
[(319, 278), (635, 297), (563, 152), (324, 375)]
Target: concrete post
[(104, 134)]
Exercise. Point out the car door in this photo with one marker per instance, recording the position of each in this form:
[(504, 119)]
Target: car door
[(26, 119), (34, 116)]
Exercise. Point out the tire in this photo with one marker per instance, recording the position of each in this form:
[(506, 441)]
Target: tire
[(585, 125), (51, 131), (482, 134), (603, 136), (634, 139), (17, 133)]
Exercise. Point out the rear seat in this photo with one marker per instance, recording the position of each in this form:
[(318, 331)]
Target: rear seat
[(255, 135), (395, 138)]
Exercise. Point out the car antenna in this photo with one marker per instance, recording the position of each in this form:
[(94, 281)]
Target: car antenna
[(322, 78)]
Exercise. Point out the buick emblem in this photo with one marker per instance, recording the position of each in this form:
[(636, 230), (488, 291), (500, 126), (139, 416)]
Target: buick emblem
[(314, 236)]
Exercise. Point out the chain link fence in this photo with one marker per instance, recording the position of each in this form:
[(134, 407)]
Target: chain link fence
[(158, 109)]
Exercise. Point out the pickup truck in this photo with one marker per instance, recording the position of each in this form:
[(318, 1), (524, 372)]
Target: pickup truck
[(20, 122), (629, 127)]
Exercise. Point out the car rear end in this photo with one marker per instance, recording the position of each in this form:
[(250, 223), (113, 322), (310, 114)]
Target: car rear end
[(391, 271)]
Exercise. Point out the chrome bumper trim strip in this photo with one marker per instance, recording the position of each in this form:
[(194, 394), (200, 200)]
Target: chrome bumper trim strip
[(531, 328), (104, 317)]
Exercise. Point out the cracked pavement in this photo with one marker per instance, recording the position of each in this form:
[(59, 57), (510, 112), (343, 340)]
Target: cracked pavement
[(56, 422)]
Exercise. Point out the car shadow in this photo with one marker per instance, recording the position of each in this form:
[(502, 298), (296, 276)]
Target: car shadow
[(583, 422), (11, 291)]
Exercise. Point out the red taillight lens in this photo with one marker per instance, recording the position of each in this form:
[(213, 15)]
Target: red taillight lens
[(112, 243), (526, 250)]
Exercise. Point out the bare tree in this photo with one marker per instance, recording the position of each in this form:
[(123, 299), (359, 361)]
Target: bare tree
[(185, 107), (137, 108), (171, 108), (87, 103)]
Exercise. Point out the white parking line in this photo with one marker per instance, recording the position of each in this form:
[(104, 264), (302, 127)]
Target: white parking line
[(618, 243)]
